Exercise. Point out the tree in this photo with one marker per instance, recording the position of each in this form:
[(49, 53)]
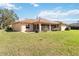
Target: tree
[(7, 17)]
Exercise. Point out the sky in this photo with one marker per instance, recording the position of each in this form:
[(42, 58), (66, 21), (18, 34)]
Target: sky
[(66, 12)]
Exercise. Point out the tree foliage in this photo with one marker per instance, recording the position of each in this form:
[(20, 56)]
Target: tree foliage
[(7, 17)]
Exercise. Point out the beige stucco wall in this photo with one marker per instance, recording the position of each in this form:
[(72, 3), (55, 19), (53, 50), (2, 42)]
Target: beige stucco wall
[(23, 28), (16, 27), (30, 27), (63, 27)]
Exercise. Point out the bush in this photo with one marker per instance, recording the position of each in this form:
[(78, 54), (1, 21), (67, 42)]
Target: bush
[(36, 31), (68, 28), (9, 29)]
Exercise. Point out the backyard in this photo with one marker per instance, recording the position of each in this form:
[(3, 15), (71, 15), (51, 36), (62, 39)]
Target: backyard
[(39, 44)]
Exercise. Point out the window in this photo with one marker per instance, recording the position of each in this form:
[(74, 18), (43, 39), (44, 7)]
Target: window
[(27, 26)]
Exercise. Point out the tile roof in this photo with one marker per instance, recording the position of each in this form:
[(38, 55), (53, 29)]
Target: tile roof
[(36, 21)]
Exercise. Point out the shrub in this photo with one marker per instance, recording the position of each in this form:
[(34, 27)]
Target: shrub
[(68, 28), (9, 29), (36, 31)]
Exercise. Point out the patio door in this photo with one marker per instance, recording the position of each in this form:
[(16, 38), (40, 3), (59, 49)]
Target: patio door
[(35, 27)]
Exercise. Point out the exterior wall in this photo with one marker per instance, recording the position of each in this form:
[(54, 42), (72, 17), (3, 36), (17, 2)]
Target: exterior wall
[(16, 27), (23, 28), (63, 27), (30, 28)]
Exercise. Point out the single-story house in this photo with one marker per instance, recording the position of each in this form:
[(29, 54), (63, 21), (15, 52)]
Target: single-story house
[(39, 24)]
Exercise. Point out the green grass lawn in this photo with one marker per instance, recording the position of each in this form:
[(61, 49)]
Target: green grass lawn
[(37, 44)]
